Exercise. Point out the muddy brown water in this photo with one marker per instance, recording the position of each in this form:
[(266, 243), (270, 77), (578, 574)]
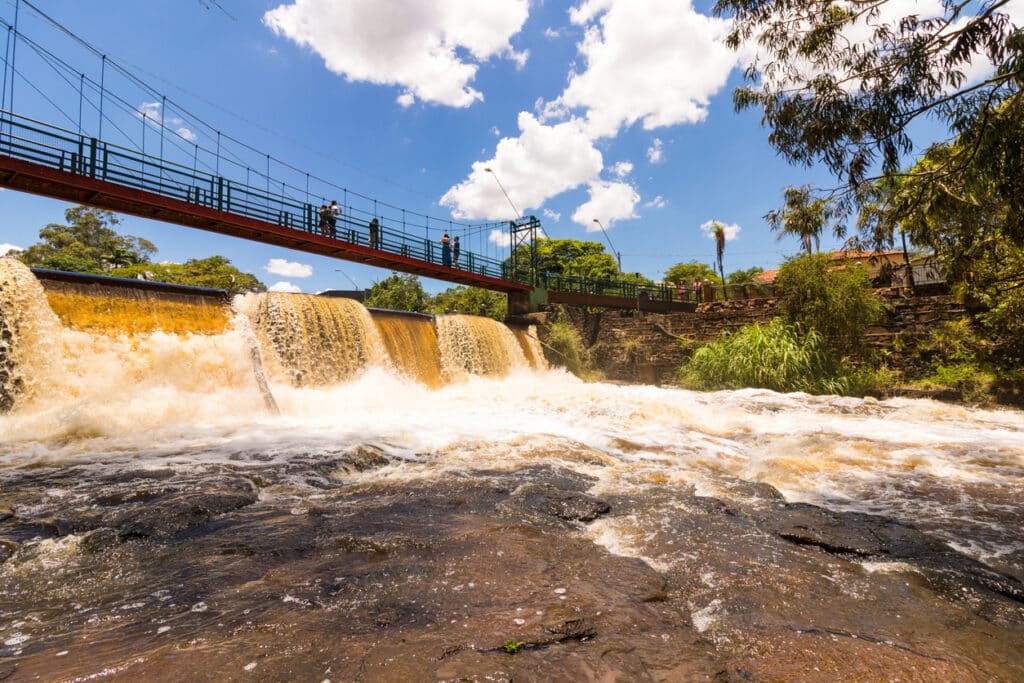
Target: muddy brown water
[(446, 510)]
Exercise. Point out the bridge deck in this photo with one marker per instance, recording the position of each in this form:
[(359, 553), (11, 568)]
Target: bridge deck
[(26, 176)]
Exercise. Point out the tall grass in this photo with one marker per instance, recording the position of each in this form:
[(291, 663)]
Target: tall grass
[(773, 356)]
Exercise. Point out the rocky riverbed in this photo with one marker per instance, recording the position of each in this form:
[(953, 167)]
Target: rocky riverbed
[(332, 566)]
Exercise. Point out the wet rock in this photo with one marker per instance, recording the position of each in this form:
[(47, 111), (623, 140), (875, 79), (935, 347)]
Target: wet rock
[(548, 501), (7, 549), (870, 536), (172, 513)]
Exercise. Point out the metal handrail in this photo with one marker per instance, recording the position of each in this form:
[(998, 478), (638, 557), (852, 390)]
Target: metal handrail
[(48, 145)]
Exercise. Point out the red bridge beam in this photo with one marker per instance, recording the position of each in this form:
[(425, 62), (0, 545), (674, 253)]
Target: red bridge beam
[(25, 176)]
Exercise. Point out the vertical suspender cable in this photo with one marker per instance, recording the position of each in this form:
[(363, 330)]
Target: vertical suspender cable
[(103, 79)]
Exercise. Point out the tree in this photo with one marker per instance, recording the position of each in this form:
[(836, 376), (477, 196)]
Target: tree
[(842, 83), (718, 232), (802, 216), (690, 271), (571, 257), (215, 272), (837, 302), (398, 292), (741, 277), (470, 301), (87, 244)]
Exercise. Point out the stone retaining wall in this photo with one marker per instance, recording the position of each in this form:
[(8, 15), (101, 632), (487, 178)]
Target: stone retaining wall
[(647, 347)]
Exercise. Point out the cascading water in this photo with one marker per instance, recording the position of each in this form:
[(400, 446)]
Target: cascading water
[(403, 518), (411, 343), (477, 346), (315, 341), (28, 334)]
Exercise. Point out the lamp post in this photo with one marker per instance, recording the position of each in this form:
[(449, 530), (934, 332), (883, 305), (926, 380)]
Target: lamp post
[(339, 270), (502, 188), (618, 254)]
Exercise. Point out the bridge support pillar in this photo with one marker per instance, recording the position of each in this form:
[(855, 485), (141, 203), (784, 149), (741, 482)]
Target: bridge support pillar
[(521, 303)]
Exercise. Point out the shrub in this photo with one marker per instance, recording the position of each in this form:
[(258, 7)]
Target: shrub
[(773, 356), (566, 348), (837, 302)]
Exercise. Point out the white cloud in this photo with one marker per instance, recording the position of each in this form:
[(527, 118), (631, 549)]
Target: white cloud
[(431, 49), (495, 131), (553, 215), (656, 203), (150, 111), (542, 162), (683, 62), (609, 202), (285, 287), (654, 153), (406, 99), (8, 248), (551, 33), (278, 266), (731, 230), (503, 238), (622, 168)]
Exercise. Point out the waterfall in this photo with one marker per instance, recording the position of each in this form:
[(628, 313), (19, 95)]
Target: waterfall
[(478, 346), (312, 340), (29, 334), (411, 343)]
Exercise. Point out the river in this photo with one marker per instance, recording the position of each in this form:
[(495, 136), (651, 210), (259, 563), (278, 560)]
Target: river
[(409, 498)]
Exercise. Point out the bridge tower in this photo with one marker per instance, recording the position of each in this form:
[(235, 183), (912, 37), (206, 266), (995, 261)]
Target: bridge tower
[(523, 264)]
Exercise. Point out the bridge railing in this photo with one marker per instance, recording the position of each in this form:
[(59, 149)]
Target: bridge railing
[(621, 287), (65, 150)]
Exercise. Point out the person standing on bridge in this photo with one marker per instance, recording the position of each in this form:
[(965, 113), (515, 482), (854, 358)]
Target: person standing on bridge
[(455, 251), (446, 250), (333, 217), (325, 214), (374, 234)]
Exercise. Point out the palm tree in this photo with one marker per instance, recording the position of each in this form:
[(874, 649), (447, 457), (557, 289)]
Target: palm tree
[(718, 232), (801, 216)]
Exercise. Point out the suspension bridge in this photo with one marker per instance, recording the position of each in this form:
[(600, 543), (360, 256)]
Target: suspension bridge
[(178, 179)]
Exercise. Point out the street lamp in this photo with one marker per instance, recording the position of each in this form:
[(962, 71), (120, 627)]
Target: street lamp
[(618, 254), (339, 270), (502, 188)]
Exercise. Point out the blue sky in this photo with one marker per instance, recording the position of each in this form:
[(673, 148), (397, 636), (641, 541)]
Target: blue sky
[(616, 110)]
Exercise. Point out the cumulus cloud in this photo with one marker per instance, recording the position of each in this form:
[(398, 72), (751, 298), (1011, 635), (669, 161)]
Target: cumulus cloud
[(684, 61), (150, 111), (622, 169), (542, 162), (553, 215), (654, 153), (731, 230), (285, 287), (432, 50), (279, 266), (609, 202), (656, 203), (669, 82), (503, 238), (8, 248), (551, 33)]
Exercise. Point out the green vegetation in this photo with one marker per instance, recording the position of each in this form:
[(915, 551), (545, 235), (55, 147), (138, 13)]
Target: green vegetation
[(470, 301), (398, 292), (565, 342), (215, 271), (571, 257), (690, 271), (89, 244), (511, 646), (838, 303), (773, 356), (802, 216)]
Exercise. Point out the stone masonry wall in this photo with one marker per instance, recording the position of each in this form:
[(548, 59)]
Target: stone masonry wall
[(646, 347)]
